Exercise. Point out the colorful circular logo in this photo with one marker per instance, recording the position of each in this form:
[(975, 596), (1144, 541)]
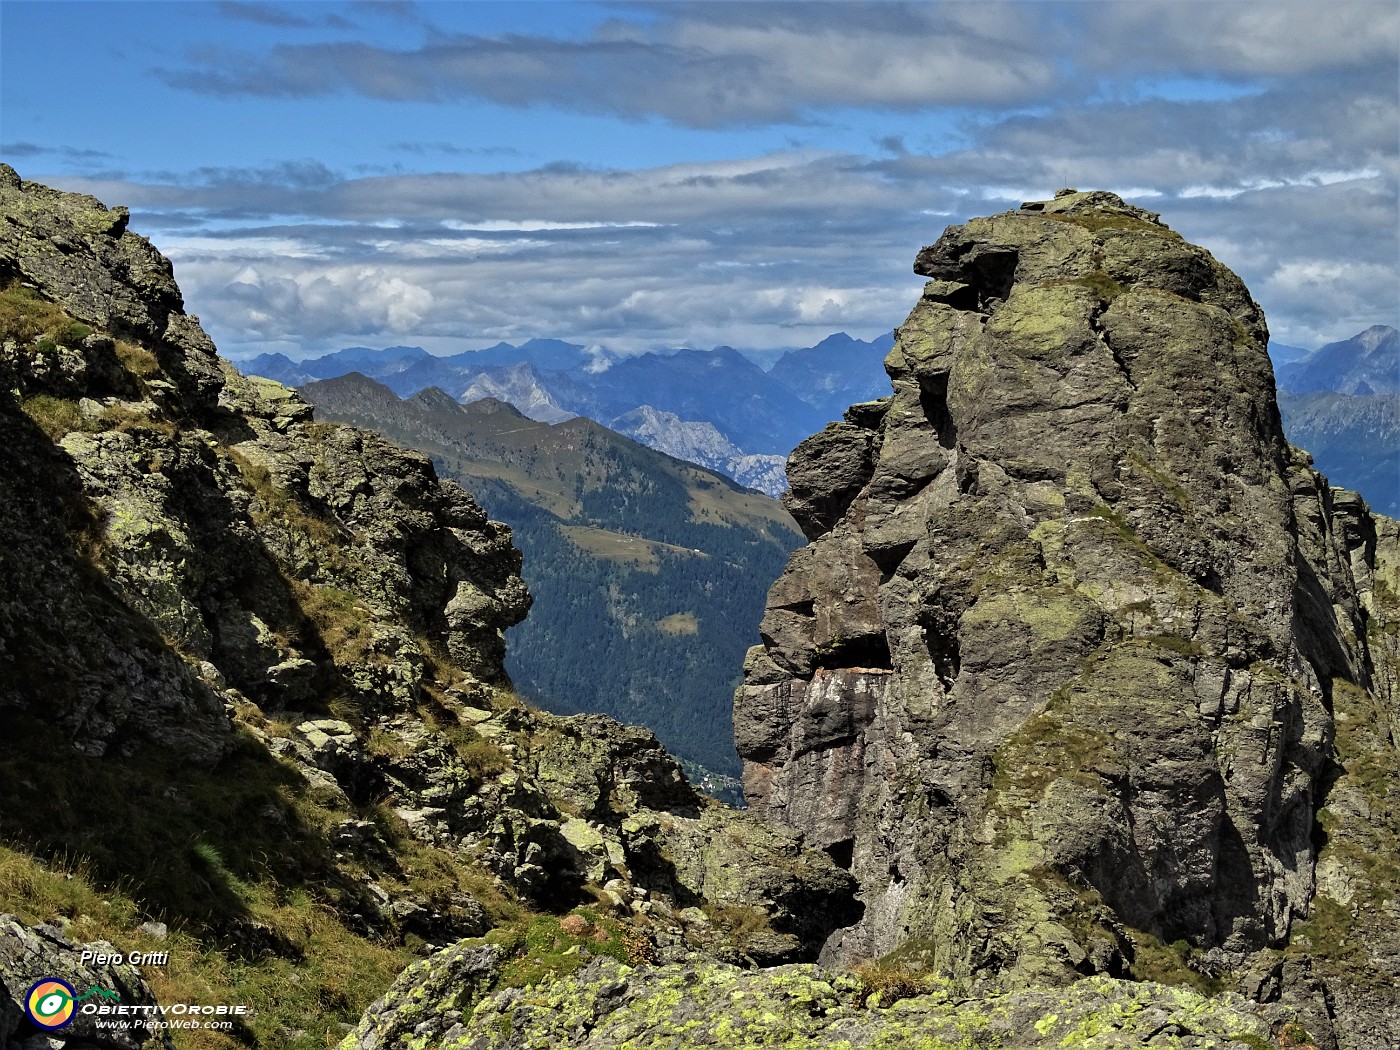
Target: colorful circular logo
[(49, 1003)]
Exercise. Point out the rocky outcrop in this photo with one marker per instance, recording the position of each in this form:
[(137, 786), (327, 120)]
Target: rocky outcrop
[(251, 671), (450, 1002), (1353, 438), (257, 554), (1059, 676), (571, 803), (30, 956)]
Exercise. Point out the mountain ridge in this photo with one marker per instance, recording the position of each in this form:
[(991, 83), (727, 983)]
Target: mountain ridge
[(1367, 363), (253, 708), (647, 564), (253, 676), (681, 394)]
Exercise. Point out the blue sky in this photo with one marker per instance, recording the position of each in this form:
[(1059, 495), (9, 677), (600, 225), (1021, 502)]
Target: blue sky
[(648, 174)]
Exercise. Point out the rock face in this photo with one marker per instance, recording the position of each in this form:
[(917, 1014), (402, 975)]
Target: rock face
[(1057, 677), (1354, 439), (147, 475), (31, 955)]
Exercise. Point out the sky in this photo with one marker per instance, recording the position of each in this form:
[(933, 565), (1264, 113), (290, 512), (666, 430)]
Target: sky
[(641, 175)]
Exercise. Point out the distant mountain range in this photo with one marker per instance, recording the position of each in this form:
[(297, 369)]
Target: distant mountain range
[(1354, 439), (715, 407), (1283, 354), (721, 410), (648, 573), (1367, 363), (650, 562), (1342, 403)]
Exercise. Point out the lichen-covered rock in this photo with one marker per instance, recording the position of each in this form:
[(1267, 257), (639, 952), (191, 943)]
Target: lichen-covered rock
[(1059, 680), (80, 252), (29, 955), (600, 766), (426, 1006), (242, 545), (611, 1006)]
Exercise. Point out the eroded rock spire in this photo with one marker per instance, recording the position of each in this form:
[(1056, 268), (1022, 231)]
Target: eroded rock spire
[(1056, 676)]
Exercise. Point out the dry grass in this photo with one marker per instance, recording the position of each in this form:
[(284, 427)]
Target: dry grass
[(25, 316), (740, 922), (127, 420), (344, 623), (679, 624), (55, 416), (330, 976), (882, 984), (137, 360), (277, 506)]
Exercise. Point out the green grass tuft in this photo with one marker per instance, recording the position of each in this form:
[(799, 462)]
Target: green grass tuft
[(55, 416), (25, 315)]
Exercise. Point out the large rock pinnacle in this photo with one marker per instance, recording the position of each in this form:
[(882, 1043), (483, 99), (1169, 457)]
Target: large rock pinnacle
[(1054, 677)]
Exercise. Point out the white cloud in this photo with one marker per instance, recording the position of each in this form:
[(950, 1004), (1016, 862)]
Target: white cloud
[(1281, 156), (779, 247), (754, 64), (1242, 38), (1316, 178), (1333, 298)]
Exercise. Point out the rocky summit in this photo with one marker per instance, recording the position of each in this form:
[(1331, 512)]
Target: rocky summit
[(1085, 670)]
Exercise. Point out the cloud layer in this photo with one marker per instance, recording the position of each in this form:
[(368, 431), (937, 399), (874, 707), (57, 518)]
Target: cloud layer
[(1267, 132)]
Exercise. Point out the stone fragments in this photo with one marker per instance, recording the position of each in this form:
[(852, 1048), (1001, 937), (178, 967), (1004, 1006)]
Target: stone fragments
[(30, 955)]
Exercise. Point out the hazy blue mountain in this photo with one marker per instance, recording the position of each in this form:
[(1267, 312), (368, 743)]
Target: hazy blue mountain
[(547, 355), (1354, 439), (702, 443), (1342, 403), (837, 372), (1282, 353), (765, 359), (1367, 363), (421, 374), (732, 414), (279, 367), (752, 409), (376, 363)]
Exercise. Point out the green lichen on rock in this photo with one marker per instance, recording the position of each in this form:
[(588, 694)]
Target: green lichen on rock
[(251, 672), (607, 1004)]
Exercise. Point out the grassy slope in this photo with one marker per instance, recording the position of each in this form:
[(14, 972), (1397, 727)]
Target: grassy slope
[(237, 859)]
